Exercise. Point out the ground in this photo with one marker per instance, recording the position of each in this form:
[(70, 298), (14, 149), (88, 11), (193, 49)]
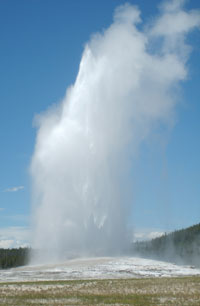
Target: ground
[(144, 292)]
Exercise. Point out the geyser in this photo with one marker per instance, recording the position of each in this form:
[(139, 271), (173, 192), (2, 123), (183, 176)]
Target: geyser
[(125, 88)]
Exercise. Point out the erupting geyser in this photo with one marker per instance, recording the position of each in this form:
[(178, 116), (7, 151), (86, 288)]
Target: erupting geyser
[(80, 168)]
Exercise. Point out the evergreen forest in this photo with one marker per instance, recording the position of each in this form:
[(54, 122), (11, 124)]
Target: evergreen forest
[(10, 258), (181, 247)]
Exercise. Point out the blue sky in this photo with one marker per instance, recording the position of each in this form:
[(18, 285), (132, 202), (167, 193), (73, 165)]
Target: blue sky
[(41, 46)]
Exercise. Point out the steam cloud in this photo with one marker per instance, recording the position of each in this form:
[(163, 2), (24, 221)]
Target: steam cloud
[(126, 86)]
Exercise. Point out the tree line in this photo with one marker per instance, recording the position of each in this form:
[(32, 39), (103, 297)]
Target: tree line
[(181, 246), (10, 258)]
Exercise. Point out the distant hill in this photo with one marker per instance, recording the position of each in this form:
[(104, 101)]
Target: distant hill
[(181, 246)]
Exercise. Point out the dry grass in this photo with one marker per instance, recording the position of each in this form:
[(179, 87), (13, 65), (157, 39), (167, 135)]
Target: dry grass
[(144, 292)]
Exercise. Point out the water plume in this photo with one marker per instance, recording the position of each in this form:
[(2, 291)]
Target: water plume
[(125, 88)]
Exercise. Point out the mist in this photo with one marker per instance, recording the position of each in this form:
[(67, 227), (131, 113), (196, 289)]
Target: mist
[(126, 88)]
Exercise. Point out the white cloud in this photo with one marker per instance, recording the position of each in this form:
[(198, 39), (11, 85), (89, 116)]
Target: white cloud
[(6, 244), (14, 237), (14, 189), (9, 244), (147, 234)]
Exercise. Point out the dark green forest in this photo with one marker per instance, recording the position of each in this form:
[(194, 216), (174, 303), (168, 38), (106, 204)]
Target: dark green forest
[(181, 247), (10, 258)]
